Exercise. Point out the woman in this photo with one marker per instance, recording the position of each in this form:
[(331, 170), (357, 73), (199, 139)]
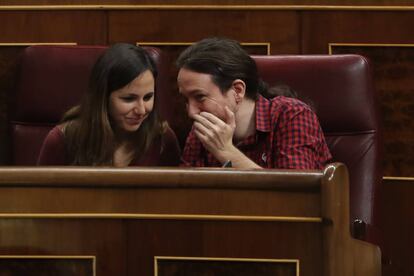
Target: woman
[(115, 124)]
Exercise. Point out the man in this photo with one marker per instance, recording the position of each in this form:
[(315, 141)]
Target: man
[(235, 117)]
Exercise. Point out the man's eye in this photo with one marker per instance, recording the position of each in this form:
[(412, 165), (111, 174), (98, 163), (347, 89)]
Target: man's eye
[(200, 98), (148, 96)]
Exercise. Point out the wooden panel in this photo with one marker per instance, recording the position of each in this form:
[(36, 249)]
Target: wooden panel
[(128, 247), (397, 224), (227, 194), (393, 69), (278, 28), (322, 28), (46, 265), (211, 2), (243, 267), (257, 203), (105, 239), (83, 27), (227, 239)]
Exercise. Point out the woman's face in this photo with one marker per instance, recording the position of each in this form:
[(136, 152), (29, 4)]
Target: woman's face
[(131, 105)]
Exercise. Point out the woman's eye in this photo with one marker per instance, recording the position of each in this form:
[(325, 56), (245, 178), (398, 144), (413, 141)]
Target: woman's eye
[(127, 99), (148, 97)]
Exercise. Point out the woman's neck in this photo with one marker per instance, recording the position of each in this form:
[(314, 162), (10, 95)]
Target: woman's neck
[(124, 148), (123, 154), (123, 137)]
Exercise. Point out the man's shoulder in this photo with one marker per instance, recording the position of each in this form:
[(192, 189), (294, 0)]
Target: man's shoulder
[(284, 109), (282, 102)]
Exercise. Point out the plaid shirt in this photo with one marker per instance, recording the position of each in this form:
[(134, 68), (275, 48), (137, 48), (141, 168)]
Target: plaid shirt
[(288, 135)]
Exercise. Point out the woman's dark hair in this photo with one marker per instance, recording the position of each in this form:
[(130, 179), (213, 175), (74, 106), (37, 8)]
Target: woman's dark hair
[(89, 134), (225, 60)]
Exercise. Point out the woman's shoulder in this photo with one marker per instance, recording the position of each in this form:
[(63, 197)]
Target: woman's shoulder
[(55, 137), (56, 132), (63, 126), (52, 151)]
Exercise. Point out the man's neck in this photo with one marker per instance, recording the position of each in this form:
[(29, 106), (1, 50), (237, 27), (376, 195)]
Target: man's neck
[(245, 120)]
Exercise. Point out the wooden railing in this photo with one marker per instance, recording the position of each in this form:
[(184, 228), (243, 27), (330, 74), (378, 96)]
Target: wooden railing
[(153, 221)]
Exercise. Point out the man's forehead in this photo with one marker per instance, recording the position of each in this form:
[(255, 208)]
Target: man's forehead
[(193, 76)]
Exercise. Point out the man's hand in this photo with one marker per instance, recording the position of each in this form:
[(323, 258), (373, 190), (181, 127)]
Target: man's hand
[(215, 134)]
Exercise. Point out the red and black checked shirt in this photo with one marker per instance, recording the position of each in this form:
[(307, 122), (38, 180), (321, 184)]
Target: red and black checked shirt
[(288, 135)]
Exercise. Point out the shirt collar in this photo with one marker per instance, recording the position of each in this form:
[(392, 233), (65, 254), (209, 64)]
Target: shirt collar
[(263, 118)]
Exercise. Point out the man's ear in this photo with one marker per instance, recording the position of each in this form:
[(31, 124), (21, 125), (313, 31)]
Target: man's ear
[(240, 88)]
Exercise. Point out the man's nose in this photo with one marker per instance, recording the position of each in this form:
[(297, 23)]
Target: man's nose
[(192, 109)]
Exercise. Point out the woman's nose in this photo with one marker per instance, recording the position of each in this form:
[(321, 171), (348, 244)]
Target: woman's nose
[(139, 108)]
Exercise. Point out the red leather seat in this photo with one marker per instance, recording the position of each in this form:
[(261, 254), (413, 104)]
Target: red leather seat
[(341, 90), (51, 80)]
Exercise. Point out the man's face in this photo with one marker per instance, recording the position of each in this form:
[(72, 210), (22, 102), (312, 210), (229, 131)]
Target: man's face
[(203, 94)]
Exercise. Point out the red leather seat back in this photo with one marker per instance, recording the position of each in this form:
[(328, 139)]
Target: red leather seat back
[(341, 90), (51, 80)]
